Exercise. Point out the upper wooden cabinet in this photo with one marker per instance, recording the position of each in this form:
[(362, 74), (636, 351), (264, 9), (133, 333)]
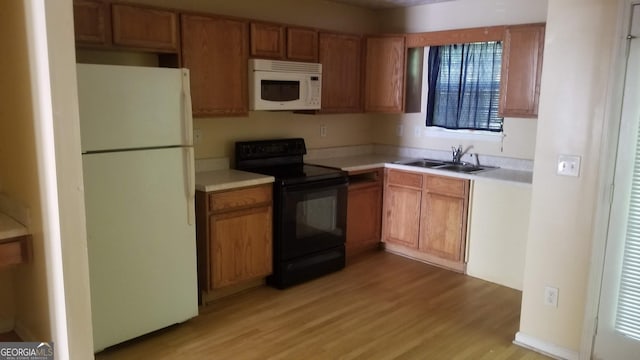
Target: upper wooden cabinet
[(98, 23), (92, 22), (267, 40), (277, 41), (215, 50), (521, 70), (340, 56), (302, 44), (384, 74), (147, 28)]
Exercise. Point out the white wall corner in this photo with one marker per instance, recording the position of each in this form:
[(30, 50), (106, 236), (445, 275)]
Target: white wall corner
[(544, 347)]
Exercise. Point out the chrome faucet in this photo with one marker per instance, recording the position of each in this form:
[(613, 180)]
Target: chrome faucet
[(456, 154)]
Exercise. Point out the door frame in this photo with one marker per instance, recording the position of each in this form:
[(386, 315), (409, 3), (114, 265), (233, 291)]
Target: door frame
[(610, 135)]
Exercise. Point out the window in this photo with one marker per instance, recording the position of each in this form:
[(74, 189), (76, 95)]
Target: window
[(464, 86)]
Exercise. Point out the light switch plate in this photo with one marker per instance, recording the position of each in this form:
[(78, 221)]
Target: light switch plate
[(568, 165)]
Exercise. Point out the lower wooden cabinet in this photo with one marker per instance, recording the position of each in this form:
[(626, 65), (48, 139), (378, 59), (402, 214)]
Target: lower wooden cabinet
[(234, 236), (425, 217), (364, 210), (403, 194)]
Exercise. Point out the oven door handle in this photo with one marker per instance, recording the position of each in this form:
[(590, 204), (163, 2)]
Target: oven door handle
[(326, 184)]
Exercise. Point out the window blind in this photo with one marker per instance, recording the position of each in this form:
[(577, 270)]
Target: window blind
[(628, 310), (464, 86)]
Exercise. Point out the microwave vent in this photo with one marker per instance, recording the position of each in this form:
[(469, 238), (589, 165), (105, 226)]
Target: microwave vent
[(285, 66)]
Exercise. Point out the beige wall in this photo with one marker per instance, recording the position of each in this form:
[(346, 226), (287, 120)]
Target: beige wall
[(520, 138), (219, 134), (18, 167), (578, 50)]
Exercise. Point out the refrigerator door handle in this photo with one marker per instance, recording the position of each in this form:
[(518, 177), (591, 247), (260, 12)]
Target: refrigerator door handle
[(187, 121), (191, 186)]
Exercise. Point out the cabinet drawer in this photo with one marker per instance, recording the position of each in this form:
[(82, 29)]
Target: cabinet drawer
[(239, 198), (404, 179), (446, 185)]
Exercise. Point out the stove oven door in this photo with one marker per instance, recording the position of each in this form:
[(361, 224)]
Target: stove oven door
[(313, 218)]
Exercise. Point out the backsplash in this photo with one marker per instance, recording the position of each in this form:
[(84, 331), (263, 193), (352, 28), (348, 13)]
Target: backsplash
[(470, 157), (211, 164)]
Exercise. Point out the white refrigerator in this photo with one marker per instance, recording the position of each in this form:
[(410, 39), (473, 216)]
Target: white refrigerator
[(137, 157)]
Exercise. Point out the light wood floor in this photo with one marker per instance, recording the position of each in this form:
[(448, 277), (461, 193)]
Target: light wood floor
[(380, 307)]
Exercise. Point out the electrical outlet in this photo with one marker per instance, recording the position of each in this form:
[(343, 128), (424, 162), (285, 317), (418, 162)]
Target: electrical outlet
[(323, 130), (197, 136), (568, 165), (400, 130), (417, 131), (551, 296)]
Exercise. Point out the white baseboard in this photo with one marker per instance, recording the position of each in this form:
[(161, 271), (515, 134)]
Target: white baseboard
[(543, 347)]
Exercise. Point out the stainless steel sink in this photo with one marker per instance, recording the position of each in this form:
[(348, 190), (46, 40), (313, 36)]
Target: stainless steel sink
[(465, 168), (426, 163), (448, 166)]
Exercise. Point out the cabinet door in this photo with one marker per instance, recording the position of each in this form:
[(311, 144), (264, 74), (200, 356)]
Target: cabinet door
[(267, 40), (443, 231), (302, 44), (384, 74), (402, 215), (340, 56), (444, 218), (241, 247), (364, 214), (147, 28), (521, 70), (215, 50), (92, 23)]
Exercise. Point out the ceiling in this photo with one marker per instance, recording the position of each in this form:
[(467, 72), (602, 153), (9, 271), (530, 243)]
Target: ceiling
[(387, 4)]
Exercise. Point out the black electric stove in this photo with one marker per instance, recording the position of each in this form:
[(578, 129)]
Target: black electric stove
[(309, 213)]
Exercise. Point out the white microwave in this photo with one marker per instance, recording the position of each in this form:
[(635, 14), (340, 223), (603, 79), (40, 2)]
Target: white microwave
[(284, 85)]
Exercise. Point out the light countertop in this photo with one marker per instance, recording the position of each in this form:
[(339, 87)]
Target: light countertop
[(359, 162), (9, 228), (365, 162), (229, 179)]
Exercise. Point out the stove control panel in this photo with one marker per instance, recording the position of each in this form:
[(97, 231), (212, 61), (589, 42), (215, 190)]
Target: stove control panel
[(247, 150)]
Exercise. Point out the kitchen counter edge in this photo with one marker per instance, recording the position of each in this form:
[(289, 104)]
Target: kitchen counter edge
[(217, 180), (366, 162)]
